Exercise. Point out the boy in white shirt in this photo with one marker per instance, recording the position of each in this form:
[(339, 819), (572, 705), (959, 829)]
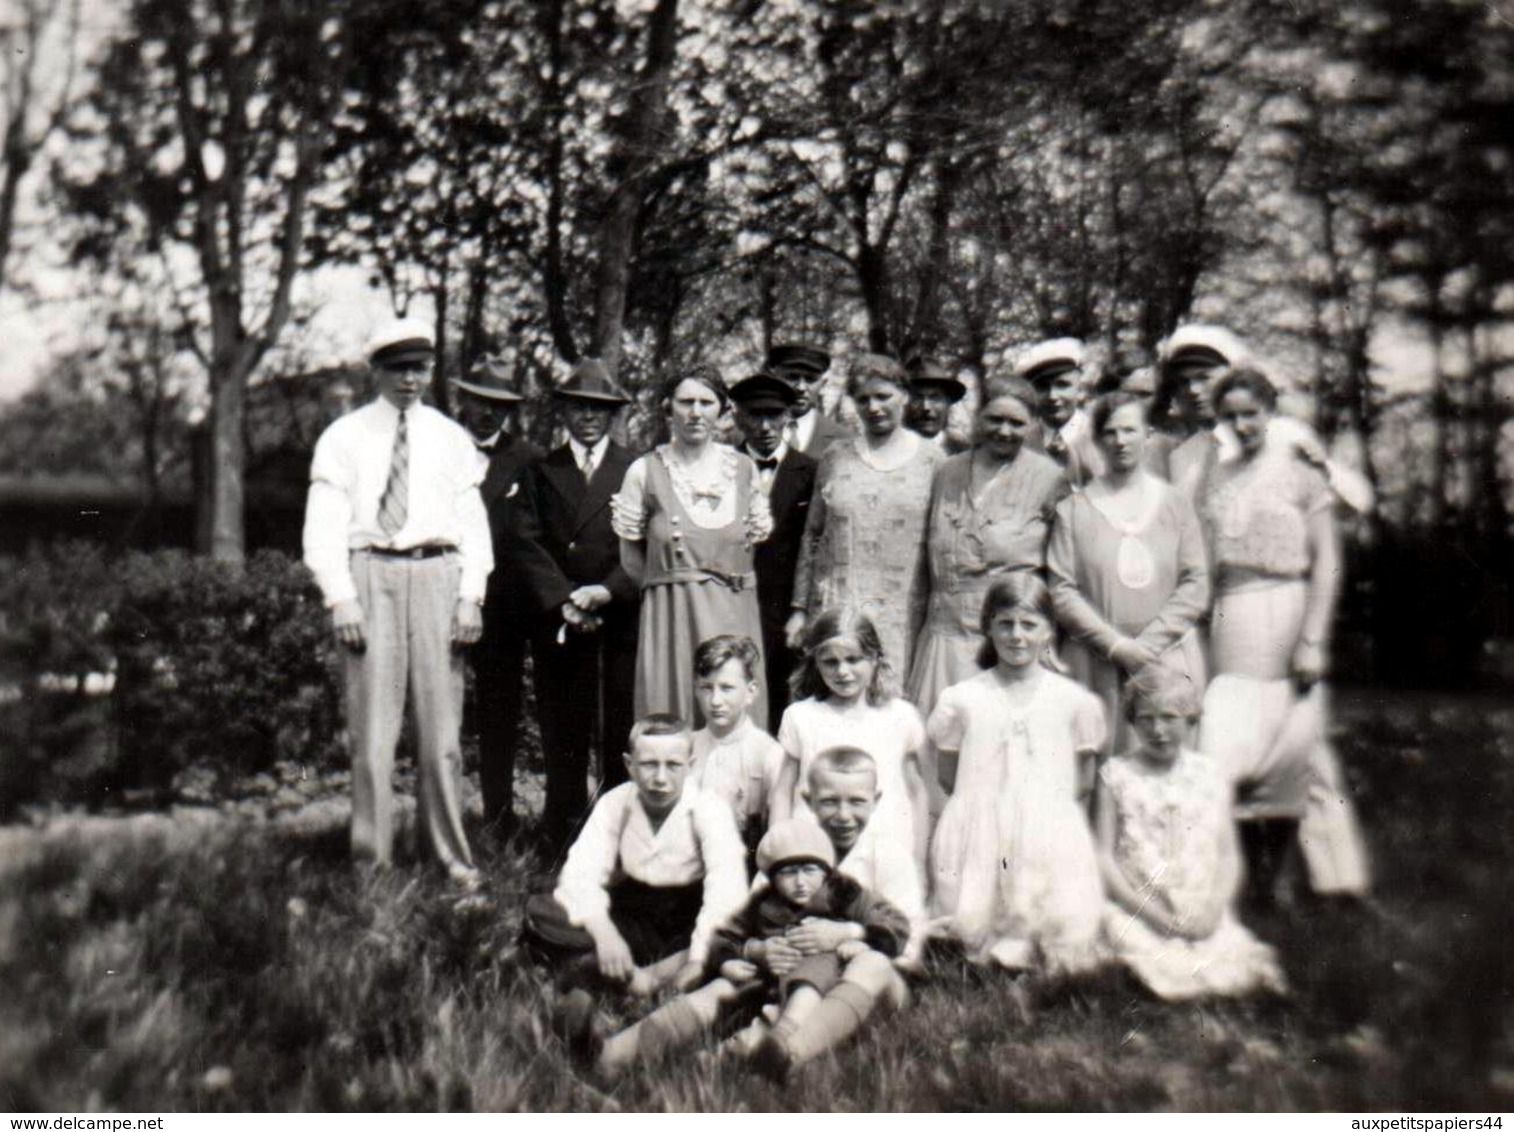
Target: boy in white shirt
[(734, 759), (656, 869)]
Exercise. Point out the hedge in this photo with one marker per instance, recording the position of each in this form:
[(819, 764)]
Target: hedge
[(117, 673)]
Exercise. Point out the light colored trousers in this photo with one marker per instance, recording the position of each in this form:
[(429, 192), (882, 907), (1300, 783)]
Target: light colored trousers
[(408, 608)]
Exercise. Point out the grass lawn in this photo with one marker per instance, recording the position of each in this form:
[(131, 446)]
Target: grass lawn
[(261, 971)]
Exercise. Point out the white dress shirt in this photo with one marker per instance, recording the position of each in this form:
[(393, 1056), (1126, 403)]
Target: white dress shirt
[(347, 478), (803, 429), (741, 770), (596, 454), (885, 866), (697, 840)]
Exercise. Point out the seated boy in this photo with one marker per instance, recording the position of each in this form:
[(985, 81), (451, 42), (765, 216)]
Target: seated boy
[(657, 868), (798, 861), (734, 759), (842, 792)]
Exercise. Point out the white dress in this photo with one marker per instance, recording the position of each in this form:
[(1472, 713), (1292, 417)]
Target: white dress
[(1013, 857), (890, 733), (1168, 825)]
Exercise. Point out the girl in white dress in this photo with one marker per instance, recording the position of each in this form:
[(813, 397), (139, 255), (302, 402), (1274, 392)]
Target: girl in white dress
[(1167, 850), (1016, 879), (843, 698)]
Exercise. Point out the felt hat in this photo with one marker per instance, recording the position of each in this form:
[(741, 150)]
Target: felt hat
[(1046, 360), (923, 373), (763, 391), (591, 381), (401, 340), (1201, 344), (792, 841), (806, 362), (490, 379)]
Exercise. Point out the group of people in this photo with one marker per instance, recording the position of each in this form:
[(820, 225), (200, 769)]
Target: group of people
[(1024, 693)]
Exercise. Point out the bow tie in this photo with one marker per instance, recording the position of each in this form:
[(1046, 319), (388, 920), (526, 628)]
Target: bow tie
[(767, 463)]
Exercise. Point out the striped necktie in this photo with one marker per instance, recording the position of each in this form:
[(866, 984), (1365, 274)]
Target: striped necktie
[(395, 502)]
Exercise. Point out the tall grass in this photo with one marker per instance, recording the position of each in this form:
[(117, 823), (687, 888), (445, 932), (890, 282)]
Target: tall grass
[(262, 971)]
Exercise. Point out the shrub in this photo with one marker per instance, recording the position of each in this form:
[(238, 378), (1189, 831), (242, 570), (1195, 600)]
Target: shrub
[(54, 726), (212, 663)]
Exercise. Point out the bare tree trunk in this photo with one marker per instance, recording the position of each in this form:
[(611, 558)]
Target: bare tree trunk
[(925, 330), (872, 276), (554, 281), (644, 124)]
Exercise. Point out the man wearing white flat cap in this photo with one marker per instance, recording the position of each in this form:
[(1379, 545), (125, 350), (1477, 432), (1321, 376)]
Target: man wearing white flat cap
[(1189, 361), (1055, 369), (398, 539)]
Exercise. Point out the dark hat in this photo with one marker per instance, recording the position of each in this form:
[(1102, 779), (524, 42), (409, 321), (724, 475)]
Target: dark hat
[(401, 340), (591, 381), (763, 391), (794, 358), (490, 379), (927, 373)]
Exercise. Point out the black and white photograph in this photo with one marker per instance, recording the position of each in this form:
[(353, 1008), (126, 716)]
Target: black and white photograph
[(818, 556)]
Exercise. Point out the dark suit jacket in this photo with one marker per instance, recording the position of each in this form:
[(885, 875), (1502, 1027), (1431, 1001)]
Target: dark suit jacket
[(506, 600), (563, 538), (777, 559)]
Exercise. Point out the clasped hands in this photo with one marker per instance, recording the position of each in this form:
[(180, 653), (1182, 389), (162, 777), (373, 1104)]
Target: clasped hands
[(782, 954), (578, 611)]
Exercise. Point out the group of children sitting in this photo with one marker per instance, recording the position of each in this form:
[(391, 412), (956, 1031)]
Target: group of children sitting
[(836, 817)]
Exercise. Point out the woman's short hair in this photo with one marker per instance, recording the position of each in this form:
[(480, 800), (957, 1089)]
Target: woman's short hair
[(842, 621), (1160, 686), (1105, 407), (875, 367), (1008, 385), (712, 654), (1021, 590), (1249, 378), (704, 373)]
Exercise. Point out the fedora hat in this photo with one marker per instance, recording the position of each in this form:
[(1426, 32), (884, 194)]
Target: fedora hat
[(488, 378), (591, 381), (923, 373)]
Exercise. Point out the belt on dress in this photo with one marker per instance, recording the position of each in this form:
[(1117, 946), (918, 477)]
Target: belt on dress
[(734, 582), (414, 553)]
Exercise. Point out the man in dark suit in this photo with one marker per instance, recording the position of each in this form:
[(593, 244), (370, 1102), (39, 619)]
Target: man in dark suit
[(486, 404), (762, 405), (804, 368), (585, 646)]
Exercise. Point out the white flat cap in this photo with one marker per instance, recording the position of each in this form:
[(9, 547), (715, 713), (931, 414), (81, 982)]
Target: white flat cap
[(1200, 342), (401, 340), (1046, 359)]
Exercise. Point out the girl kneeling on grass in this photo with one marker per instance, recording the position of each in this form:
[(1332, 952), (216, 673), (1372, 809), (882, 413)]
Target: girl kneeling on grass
[(1016, 880), (1167, 850), (842, 698), (823, 996)]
